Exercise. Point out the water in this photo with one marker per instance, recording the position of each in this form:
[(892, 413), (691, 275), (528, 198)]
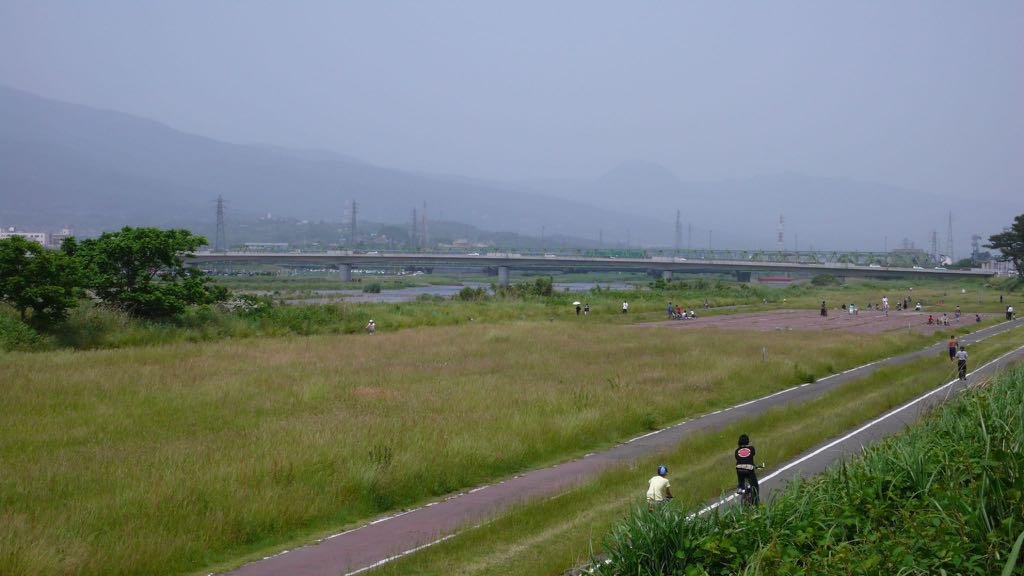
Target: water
[(443, 290)]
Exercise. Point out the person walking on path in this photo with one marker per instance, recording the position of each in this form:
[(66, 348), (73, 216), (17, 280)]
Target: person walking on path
[(578, 309), (961, 363), (625, 307), (586, 309), (659, 489), (952, 347), (885, 305), (956, 313), (824, 310)]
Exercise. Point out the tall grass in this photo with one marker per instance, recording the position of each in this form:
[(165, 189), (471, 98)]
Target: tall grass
[(167, 459), (943, 497)]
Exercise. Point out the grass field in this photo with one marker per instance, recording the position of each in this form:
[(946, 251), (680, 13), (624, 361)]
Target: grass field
[(169, 459), (553, 535)]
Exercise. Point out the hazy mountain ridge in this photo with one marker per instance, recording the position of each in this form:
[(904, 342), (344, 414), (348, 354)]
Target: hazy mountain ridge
[(61, 163)]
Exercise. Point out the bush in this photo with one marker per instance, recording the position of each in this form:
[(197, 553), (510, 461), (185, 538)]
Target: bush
[(825, 280), (372, 288), (469, 294), (16, 335)]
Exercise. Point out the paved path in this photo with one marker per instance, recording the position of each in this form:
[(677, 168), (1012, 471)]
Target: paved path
[(391, 537)]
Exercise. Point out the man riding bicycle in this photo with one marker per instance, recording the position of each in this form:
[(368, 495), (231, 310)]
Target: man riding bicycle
[(745, 467)]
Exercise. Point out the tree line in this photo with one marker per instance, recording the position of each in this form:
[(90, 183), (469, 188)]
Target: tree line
[(138, 270)]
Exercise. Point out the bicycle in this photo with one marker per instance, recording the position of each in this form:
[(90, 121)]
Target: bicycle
[(750, 495)]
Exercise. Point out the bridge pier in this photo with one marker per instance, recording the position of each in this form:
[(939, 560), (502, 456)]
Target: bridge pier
[(502, 275), (345, 272), (666, 275), (743, 276)]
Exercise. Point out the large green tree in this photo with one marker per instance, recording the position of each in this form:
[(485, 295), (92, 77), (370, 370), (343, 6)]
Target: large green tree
[(142, 271), (34, 279), (1010, 244)]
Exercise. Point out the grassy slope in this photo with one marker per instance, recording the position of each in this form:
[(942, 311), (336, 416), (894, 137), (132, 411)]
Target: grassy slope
[(548, 537), (167, 459)]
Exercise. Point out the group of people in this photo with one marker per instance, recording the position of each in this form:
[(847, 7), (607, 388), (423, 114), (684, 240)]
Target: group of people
[(585, 309), (677, 312)]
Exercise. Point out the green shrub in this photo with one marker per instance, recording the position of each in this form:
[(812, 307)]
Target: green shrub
[(372, 288), (825, 280), (469, 294), (16, 335)]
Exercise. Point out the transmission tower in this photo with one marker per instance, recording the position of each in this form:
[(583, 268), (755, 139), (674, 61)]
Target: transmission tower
[(414, 232), (949, 236), (779, 243), (689, 236), (679, 231), (220, 243), (353, 226), (935, 244), (425, 238)]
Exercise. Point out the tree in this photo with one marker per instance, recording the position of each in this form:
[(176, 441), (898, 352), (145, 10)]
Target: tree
[(1011, 244), (142, 271), (35, 279)]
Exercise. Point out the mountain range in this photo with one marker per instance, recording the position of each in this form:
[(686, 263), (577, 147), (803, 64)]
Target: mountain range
[(68, 164)]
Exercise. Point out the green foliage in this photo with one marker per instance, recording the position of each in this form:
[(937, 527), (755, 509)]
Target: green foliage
[(542, 286), (372, 288), (34, 279), (15, 335), (141, 271), (470, 294), (944, 497), (1011, 243), (825, 280)]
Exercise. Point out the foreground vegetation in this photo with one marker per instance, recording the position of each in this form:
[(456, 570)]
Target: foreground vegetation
[(943, 497), (553, 535), (171, 458)]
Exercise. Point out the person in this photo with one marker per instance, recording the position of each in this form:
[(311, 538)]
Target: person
[(586, 309), (1009, 312), (625, 307), (659, 489), (956, 313), (905, 303), (885, 305), (679, 311), (961, 363), (824, 309), (693, 313), (1000, 298), (952, 347), (931, 320), (706, 305), (371, 327), (578, 309), (745, 468), (945, 319), (918, 307), (671, 309), (977, 317)]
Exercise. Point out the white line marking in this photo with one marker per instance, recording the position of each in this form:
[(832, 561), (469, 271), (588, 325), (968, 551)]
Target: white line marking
[(842, 439), (399, 555)]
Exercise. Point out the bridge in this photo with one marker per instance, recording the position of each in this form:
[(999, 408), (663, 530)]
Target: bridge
[(505, 262)]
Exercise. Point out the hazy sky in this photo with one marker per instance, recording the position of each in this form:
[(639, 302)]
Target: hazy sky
[(927, 95)]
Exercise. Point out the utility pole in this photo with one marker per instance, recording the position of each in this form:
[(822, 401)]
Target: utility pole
[(949, 236), (689, 236), (679, 231), (220, 243)]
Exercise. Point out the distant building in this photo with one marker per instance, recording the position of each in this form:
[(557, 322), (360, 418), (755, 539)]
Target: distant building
[(58, 238), (1001, 268), (39, 237)]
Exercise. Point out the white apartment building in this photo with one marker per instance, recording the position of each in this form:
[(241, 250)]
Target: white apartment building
[(39, 237)]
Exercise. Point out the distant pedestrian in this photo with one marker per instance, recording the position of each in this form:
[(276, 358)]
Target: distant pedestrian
[(578, 309), (586, 309), (952, 347), (659, 489), (918, 307), (679, 311), (956, 314), (671, 309), (1009, 312), (885, 305), (371, 327), (977, 317), (1000, 298), (824, 310), (625, 307), (961, 363)]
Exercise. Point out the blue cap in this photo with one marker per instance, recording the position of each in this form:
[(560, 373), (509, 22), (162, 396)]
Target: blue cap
[(662, 470)]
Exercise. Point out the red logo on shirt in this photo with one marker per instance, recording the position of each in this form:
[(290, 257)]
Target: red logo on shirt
[(743, 452)]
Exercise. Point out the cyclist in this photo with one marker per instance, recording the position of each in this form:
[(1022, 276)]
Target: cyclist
[(658, 488), (745, 468)]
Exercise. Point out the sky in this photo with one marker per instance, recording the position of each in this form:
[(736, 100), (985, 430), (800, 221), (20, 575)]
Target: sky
[(924, 95)]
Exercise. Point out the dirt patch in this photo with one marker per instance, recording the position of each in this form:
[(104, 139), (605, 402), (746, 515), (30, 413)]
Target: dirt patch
[(864, 322)]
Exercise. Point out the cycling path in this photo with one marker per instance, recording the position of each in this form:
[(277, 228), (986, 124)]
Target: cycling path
[(391, 537)]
